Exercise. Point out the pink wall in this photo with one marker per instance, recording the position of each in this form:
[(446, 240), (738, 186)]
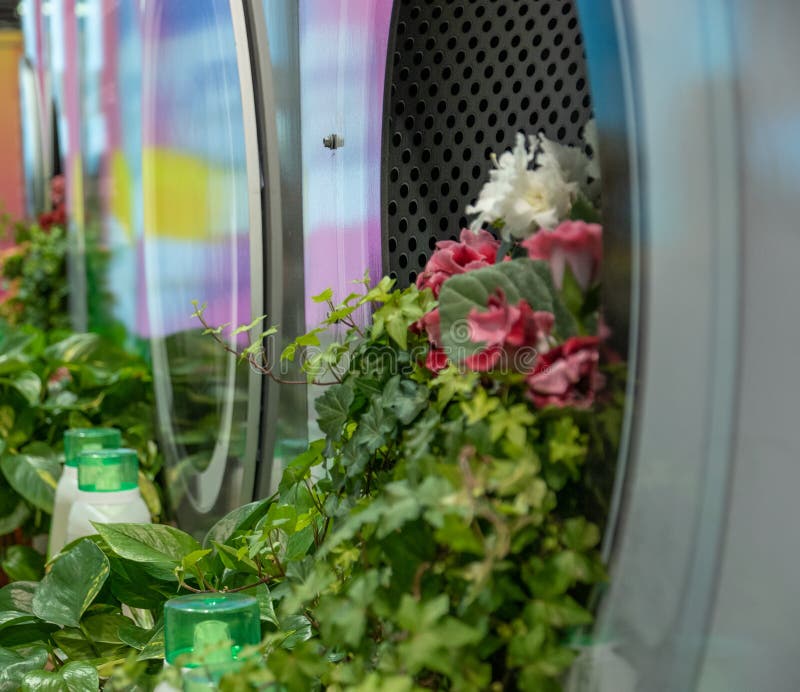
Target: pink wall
[(12, 185)]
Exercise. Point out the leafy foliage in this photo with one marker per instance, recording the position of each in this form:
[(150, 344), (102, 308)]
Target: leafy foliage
[(443, 535), (52, 382), (35, 272)]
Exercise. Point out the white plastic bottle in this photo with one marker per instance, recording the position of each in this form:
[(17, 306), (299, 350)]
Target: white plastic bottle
[(76, 441), (108, 492)]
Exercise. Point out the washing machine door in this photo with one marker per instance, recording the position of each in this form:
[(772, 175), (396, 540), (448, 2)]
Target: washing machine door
[(33, 155), (202, 241), (699, 148)]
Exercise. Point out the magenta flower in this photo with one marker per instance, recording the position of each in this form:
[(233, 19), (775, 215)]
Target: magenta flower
[(567, 375), (574, 243), (515, 333), (473, 251), (436, 360)]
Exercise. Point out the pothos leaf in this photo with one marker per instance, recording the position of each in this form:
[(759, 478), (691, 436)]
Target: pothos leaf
[(67, 590)]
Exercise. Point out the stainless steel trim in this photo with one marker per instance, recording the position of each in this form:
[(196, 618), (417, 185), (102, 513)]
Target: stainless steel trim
[(252, 53)]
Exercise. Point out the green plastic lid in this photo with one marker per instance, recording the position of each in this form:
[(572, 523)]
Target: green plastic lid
[(80, 440), (210, 629), (108, 470)]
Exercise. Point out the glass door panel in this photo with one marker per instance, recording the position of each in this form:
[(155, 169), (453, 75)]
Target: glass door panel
[(196, 246)]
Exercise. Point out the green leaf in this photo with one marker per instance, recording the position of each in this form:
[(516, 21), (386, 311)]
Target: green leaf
[(333, 409), (242, 328), (43, 681), (16, 518), (80, 677), (22, 563), (234, 560), (323, 297), (18, 596), (190, 561), (73, 677), (26, 383), (132, 585), (299, 467), (14, 666), (154, 647), (33, 477), (265, 605), (406, 399), (74, 644), (148, 543), (74, 580), (77, 348), (580, 535), (134, 636), (240, 519), (296, 629), (13, 618), (375, 427), (584, 210), (104, 628)]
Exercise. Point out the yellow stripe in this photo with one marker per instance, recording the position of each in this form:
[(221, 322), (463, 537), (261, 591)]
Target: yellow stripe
[(187, 198)]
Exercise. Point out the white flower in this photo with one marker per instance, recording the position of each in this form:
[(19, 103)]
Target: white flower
[(524, 199), (575, 164)]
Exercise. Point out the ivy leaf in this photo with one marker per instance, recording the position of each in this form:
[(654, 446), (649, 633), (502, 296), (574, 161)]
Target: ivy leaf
[(265, 605), (324, 297), (333, 409), (235, 560), (238, 519), (242, 328), (479, 407), (300, 466), (561, 612), (511, 423), (406, 399), (74, 580), (375, 427), (148, 543), (296, 629), (580, 535)]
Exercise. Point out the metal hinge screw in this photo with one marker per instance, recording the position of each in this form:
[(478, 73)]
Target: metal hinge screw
[(333, 142)]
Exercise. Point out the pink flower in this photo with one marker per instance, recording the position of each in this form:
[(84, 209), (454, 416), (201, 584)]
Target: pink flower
[(430, 325), (574, 243), (510, 325), (473, 251), (59, 377), (436, 360), (515, 333), (567, 375)]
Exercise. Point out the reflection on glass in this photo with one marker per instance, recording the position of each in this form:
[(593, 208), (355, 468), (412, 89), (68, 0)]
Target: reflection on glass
[(196, 247), (343, 62)]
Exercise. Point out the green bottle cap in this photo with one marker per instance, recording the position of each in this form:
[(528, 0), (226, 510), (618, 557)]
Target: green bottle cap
[(210, 630), (108, 470), (80, 440)]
